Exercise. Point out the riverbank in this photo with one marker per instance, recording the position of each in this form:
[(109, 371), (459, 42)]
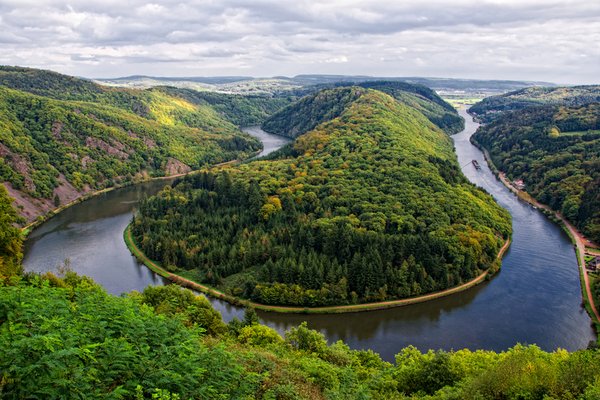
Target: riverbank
[(152, 265), (49, 215), (574, 234)]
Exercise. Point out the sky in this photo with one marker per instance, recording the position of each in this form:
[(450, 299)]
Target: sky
[(541, 40)]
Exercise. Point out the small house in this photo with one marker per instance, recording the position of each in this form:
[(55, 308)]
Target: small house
[(519, 184), (594, 264)]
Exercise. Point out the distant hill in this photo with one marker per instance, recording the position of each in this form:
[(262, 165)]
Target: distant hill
[(241, 110), (211, 80), (492, 107), (433, 83), (327, 104), (423, 99), (281, 84), (61, 137)]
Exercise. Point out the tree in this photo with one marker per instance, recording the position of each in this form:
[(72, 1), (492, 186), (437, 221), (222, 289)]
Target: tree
[(10, 238)]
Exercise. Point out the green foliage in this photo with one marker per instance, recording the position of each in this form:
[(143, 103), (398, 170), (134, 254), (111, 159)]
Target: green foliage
[(372, 207), (72, 131), (302, 338), (561, 169), (48, 83), (240, 110), (171, 300), (493, 107), (258, 335), (425, 373), (304, 115), (327, 104), (423, 99), (10, 238), (66, 338), (79, 342)]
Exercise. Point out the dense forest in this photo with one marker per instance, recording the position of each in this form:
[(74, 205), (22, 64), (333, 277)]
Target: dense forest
[(10, 238), (310, 111), (329, 103), (556, 151), (64, 338), (62, 136), (573, 96), (423, 99), (368, 206), (241, 110)]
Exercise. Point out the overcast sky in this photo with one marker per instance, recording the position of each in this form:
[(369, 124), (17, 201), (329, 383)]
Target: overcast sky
[(551, 40)]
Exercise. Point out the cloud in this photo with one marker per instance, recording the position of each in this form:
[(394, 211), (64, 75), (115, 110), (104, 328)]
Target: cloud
[(506, 39)]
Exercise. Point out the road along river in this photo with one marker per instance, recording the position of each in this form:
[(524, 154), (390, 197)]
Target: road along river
[(536, 298)]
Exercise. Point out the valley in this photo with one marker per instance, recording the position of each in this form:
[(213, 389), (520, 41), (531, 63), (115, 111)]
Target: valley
[(309, 200), (502, 307), (533, 298)]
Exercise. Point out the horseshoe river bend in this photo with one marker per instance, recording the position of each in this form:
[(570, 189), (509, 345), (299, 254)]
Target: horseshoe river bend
[(535, 298)]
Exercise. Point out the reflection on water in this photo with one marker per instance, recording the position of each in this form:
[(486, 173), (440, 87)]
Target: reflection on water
[(534, 299)]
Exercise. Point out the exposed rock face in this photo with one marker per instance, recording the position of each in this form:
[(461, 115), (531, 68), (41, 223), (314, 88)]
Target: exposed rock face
[(27, 207), (19, 164), (57, 128), (176, 167), (67, 192), (85, 161), (102, 145), (150, 143), (30, 207)]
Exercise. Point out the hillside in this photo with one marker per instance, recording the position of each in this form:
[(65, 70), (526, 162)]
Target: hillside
[(424, 100), (61, 137), (556, 151), (372, 207), (164, 104), (10, 238), (240, 110), (328, 103), (492, 107), (310, 111)]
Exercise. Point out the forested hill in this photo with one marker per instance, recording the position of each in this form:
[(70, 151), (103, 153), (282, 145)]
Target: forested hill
[(310, 111), (61, 137), (241, 110), (51, 84), (327, 104), (493, 107), (556, 151), (372, 207), (423, 99)]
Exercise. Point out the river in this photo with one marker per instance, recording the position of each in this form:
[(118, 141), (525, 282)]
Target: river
[(536, 297)]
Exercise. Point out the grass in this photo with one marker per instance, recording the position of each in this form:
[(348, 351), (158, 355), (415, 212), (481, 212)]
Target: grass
[(580, 133)]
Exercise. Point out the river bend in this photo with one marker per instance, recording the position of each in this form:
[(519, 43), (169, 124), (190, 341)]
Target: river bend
[(536, 297)]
